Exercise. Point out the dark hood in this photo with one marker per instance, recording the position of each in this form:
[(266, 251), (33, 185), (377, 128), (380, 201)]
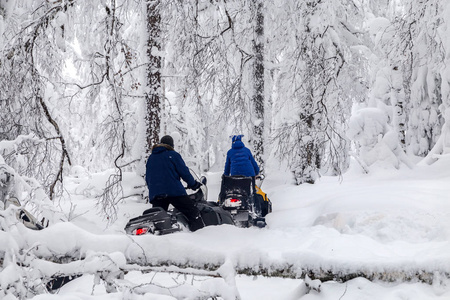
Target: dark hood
[(158, 148), (237, 145)]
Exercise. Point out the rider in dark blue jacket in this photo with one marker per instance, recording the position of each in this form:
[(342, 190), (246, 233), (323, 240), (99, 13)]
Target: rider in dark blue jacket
[(240, 160), (165, 167)]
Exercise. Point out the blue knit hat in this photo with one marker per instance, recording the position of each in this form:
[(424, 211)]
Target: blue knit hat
[(235, 138)]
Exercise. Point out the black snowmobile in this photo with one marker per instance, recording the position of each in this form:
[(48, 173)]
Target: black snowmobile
[(248, 206), (159, 222), (7, 198)]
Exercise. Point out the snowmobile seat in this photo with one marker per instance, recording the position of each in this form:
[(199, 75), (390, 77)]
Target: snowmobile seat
[(212, 214), (156, 218)]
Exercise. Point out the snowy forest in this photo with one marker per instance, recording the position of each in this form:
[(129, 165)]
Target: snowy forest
[(315, 86)]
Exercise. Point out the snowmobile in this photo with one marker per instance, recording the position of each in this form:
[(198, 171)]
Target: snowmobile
[(157, 221), (248, 206), (24, 216), (7, 199)]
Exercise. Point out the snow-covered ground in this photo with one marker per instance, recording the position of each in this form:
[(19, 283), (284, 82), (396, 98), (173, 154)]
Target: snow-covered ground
[(383, 223)]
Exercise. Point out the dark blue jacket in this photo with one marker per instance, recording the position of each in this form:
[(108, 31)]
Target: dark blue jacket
[(240, 161), (164, 169)]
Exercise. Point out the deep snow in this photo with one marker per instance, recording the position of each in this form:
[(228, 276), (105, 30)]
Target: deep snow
[(383, 222)]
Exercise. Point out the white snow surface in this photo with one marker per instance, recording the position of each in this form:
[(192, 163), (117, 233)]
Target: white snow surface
[(385, 221)]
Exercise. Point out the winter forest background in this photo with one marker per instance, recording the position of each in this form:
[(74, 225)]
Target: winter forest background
[(312, 84)]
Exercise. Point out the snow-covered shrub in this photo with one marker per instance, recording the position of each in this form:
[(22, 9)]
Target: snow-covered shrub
[(378, 143)]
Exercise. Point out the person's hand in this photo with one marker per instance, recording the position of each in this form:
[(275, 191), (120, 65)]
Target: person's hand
[(196, 186)]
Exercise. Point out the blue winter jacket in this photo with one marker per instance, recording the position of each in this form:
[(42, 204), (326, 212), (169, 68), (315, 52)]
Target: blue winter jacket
[(240, 161), (164, 169)]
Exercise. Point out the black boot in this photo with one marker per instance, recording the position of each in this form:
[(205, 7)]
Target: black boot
[(197, 223)]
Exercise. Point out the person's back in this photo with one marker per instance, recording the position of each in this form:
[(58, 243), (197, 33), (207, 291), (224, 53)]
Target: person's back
[(165, 168), (240, 160)]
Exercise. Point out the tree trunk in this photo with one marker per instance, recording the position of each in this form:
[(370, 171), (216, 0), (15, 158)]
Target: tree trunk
[(154, 95), (398, 98), (258, 73)]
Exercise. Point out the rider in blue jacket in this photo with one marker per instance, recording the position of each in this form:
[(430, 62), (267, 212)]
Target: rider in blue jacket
[(240, 160), (165, 167)]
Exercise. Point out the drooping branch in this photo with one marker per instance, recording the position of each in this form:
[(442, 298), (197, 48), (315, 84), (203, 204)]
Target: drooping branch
[(23, 74), (60, 137)]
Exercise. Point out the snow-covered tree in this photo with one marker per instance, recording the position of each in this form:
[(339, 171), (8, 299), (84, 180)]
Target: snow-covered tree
[(153, 97), (28, 89), (407, 86), (210, 71), (421, 23), (439, 80), (259, 83), (311, 67)]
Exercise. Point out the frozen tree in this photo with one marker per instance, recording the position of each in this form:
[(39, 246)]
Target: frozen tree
[(154, 95), (378, 125), (258, 83), (420, 23), (212, 60), (439, 91), (310, 71), (186, 94), (72, 77), (27, 78), (407, 85), (103, 92), (413, 54)]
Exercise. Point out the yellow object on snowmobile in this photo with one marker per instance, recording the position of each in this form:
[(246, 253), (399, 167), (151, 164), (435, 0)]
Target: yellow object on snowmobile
[(260, 192)]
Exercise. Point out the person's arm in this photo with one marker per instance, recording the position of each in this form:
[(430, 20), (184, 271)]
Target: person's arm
[(226, 172), (147, 172), (254, 163), (183, 170)]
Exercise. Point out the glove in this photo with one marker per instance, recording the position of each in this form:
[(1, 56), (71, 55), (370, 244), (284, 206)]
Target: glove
[(196, 186)]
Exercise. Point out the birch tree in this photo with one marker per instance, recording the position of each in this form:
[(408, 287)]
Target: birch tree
[(259, 83)]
